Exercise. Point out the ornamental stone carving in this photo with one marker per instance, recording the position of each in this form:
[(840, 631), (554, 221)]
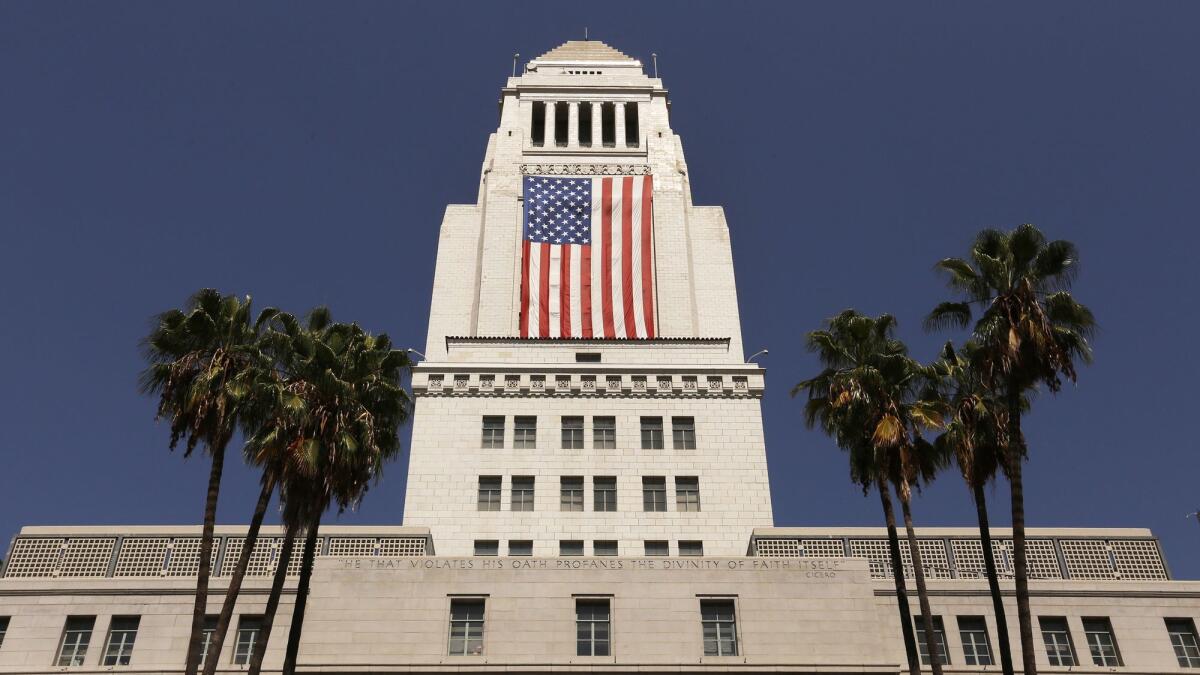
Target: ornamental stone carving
[(585, 169)]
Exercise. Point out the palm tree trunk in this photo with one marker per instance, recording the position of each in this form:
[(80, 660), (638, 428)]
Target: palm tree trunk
[(906, 628), (196, 639), (931, 642), (293, 645), (1020, 568), (235, 582), (268, 622), (989, 564)]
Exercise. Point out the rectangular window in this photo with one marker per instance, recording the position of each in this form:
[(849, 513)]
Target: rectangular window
[(487, 547), (466, 627), (683, 433), (687, 493), (489, 493), (522, 493), (652, 433), (654, 493), (493, 432), (604, 547), (604, 433), (572, 493), (77, 634), (210, 629), (1184, 642), (977, 650), (520, 547), (122, 632), (608, 124), (249, 628), (605, 488), (593, 623), (561, 112), (691, 548), (1101, 642), (1057, 638), (719, 625), (538, 133), (657, 547), (631, 125), (587, 357), (570, 547), (572, 433), (524, 433), (3, 628), (585, 124), (939, 632)]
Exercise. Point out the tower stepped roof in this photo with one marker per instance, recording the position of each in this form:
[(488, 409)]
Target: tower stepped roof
[(585, 50)]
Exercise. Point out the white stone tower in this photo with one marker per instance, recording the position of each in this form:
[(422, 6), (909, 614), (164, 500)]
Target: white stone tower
[(518, 442)]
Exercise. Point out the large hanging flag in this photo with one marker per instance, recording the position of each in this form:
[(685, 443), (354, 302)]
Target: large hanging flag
[(587, 257)]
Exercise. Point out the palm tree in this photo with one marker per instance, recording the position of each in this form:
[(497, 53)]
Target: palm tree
[(340, 409), (976, 432), (204, 361), (1030, 331), (867, 398)]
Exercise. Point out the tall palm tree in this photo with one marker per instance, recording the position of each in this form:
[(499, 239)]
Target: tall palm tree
[(1030, 331), (976, 432), (204, 361), (866, 398), (341, 408)]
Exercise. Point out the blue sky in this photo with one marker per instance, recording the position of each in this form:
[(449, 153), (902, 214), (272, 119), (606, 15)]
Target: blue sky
[(304, 153)]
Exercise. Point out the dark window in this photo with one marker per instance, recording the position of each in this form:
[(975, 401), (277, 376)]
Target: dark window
[(687, 493), (572, 433), (520, 547), (605, 488), (592, 627), (587, 357), (654, 493), (977, 649), (652, 433), (719, 624), (604, 433), (604, 547), (1101, 642), (608, 124), (538, 133), (3, 628), (1057, 638), (939, 632), (570, 547), (683, 433), (487, 547), (572, 493), (122, 633), (249, 628), (493, 432), (632, 134), (1184, 642), (522, 493), (489, 493), (657, 547), (466, 627), (561, 113), (525, 433), (77, 634), (210, 629), (585, 124), (691, 548)]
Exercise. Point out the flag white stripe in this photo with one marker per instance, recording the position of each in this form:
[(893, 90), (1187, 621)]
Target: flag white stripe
[(555, 291), (597, 258), (576, 285), (639, 318), (618, 247), (535, 287)]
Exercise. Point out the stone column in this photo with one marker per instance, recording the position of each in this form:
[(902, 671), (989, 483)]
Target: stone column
[(550, 105), (573, 124), (528, 122), (597, 129), (619, 124)]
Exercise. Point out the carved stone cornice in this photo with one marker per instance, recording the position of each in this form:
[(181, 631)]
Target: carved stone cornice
[(586, 169)]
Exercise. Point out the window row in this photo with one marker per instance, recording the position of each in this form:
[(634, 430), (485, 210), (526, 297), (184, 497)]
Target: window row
[(551, 124), (1056, 637), (604, 493), (123, 631), (593, 626), (604, 432), (600, 547)]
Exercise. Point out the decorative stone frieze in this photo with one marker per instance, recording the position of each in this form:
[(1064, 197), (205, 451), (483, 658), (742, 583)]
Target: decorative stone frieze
[(586, 169)]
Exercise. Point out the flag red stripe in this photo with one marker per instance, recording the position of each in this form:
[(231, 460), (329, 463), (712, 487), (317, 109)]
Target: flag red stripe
[(647, 258), (544, 293), (585, 289), (525, 288), (627, 255), (564, 294), (606, 271)]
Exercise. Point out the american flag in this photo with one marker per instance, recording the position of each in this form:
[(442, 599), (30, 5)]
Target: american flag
[(587, 257)]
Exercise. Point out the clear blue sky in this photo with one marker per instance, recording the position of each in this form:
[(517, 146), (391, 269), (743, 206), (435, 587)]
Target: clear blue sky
[(304, 154)]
